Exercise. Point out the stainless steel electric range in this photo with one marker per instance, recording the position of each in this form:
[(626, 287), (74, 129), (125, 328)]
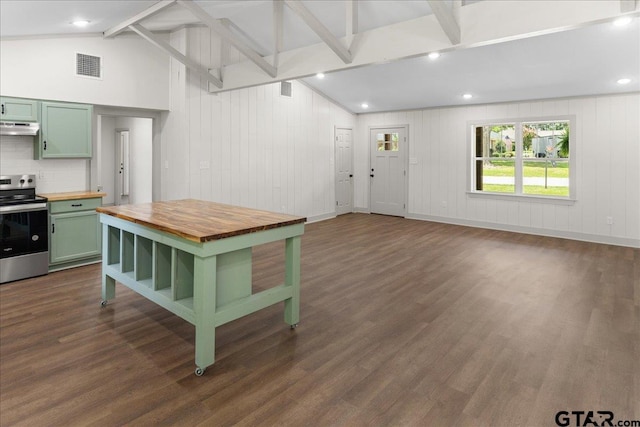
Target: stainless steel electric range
[(24, 249)]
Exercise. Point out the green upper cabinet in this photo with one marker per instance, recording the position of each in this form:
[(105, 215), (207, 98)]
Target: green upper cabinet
[(19, 110), (65, 131)]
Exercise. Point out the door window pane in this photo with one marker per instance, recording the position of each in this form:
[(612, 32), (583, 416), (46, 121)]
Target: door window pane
[(387, 142)]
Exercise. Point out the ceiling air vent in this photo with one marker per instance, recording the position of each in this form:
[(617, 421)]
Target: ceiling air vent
[(88, 66), (285, 89)]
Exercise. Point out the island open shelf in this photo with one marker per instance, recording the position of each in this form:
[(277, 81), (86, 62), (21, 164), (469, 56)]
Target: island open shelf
[(194, 258)]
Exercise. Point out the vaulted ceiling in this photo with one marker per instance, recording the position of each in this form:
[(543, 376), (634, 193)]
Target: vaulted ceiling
[(374, 51)]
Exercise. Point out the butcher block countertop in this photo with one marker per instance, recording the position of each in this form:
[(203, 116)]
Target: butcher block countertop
[(72, 195), (200, 221)]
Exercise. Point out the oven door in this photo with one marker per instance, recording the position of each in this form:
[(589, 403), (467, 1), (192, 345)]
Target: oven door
[(23, 230)]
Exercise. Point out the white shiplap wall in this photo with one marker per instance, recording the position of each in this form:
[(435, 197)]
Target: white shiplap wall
[(249, 147), (606, 148)]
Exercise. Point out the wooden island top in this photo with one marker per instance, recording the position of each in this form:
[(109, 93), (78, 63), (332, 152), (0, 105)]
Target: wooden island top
[(199, 220)]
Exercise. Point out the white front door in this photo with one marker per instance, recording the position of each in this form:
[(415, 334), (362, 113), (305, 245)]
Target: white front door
[(388, 170), (344, 171)]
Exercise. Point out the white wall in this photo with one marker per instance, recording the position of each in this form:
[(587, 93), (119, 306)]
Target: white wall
[(136, 74), (607, 161), (52, 175), (249, 147), (107, 158)]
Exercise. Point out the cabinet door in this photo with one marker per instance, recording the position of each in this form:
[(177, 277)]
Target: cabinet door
[(74, 235), (19, 110), (66, 130)]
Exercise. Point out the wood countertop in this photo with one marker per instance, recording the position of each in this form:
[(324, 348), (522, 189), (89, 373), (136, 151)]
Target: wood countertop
[(72, 195), (199, 220)]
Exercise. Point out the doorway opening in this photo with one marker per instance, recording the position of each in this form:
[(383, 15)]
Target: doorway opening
[(124, 159)]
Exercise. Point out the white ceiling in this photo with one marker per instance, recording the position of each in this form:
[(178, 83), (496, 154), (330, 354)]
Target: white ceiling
[(583, 61)]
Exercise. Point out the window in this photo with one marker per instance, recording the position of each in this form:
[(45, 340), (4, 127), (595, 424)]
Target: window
[(387, 141), (522, 158)]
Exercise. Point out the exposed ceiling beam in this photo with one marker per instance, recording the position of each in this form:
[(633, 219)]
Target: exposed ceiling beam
[(628, 5), (322, 31), (418, 37), (447, 21), (253, 44), (161, 5), (192, 65), (227, 34), (351, 20), (278, 30)]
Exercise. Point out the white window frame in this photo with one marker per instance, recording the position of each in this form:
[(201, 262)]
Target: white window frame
[(518, 194)]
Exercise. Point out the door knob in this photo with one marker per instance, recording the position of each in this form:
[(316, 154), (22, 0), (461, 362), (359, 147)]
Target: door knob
[(350, 175), (371, 175)]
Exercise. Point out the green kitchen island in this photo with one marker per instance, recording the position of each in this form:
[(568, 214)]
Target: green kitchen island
[(194, 258)]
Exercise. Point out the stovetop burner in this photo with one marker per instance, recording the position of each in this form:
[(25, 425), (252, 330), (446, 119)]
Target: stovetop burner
[(18, 190)]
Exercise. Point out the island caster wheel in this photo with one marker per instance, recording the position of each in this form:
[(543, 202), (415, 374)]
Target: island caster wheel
[(295, 325), (103, 303), (199, 372)]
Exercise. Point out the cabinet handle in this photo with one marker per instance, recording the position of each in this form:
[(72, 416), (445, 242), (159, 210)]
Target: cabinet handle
[(77, 205), (3, 109), (45, 145), (53, 228)]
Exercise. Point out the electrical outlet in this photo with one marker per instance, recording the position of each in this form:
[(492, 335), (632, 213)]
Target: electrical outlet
[(444, 203), (609, 220), (166, 164), (204, 164)]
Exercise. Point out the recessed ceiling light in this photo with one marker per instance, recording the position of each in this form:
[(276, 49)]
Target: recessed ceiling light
[(622, 21), (434, 55), (81, 23), (364, 105), (320, 75), (467, 96), (624, 81)]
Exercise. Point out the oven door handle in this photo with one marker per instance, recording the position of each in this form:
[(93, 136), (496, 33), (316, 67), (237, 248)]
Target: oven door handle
[(24, 208)]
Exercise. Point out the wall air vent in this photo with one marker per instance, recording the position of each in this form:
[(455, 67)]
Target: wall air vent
[(285, 89), (88, 66)]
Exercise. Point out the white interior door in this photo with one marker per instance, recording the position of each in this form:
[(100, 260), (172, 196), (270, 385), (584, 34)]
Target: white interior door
[(388, 170), (344, 171), (122, 167)]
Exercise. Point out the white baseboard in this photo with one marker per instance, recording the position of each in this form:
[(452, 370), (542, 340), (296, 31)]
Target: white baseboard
[(594, 238), (320, 217)]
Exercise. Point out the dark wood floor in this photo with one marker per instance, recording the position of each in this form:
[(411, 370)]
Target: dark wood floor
[(402, 323)]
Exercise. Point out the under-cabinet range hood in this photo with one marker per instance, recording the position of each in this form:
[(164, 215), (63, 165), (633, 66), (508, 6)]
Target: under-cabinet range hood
[(19, 128)]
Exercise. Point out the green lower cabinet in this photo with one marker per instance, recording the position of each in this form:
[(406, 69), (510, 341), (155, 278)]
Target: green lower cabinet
[(75, 238)]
